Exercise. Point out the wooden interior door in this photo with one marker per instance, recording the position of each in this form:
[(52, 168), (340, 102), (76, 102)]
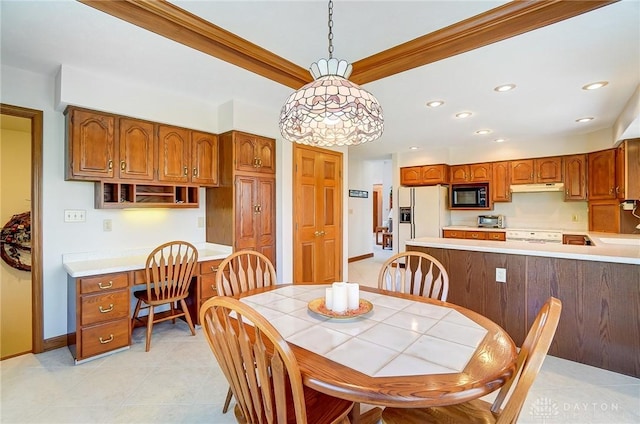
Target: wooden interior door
[(317, 215), (377, 206)]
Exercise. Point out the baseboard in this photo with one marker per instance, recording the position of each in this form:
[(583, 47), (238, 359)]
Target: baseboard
[(361, 257), (55, 343)]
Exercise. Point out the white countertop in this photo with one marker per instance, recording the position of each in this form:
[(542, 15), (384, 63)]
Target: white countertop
[(620, 248), (563, 231), (105, 262)]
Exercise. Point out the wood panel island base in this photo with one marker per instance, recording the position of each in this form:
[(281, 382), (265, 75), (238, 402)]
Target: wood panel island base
[(600, 322)]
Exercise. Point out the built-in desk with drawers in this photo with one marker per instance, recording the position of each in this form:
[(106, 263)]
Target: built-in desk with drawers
[(99, 296)]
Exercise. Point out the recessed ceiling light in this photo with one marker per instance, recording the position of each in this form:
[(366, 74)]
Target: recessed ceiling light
[(500, 140), (435, 103), (595, 85), (483, 132), (585, 119), (413, 148), (505, 87), (463, 114)]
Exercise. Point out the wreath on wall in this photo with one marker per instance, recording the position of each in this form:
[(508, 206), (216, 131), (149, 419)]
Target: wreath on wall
[(15, 242)]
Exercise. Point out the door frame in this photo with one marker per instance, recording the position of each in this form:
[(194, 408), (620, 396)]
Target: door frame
[(36, 117)]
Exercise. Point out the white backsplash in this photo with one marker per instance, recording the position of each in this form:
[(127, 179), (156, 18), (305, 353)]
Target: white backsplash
[(533, 210)]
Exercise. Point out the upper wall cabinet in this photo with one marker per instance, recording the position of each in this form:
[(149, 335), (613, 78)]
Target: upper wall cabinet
[(602, 175), (475, 172), (575, 177), (540, 170), (424, 175), (102, 146), (254, 153), (90, 145), (501, 179), (136, 145)]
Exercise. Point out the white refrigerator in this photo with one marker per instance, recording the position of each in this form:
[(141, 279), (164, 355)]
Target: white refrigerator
[(422, 212)]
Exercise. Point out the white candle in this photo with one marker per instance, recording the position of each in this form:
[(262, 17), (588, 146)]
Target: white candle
[(353, 295), (339, 295), (328, 298)]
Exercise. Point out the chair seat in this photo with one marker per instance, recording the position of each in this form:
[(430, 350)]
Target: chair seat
[(153, 300), (472, 412), (321, 408)]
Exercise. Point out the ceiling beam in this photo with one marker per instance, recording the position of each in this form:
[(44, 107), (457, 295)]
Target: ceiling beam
[(506, 21), (177, 24)]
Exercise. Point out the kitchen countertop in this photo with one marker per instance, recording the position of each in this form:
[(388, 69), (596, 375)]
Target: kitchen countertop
[(472, 228), (105, 262), (619, 248)]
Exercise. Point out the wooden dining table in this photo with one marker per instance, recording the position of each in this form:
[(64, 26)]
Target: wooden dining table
[(407, 351)]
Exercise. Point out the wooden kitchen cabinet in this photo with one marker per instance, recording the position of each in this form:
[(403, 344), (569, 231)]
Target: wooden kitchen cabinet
[(500, 182), (476, 172), (117, 195), (538, 170), (203, 287), (136, 146), (204, 159), (173, 154), (90, 145), (254, 153), (459, 234), (602, 175), (575, 177), (475, 235), (241, 210), (604, 216), (98, 319), (574, 239), (629, 180), (424, 175)]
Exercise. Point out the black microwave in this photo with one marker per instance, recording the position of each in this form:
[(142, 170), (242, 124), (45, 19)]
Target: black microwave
[(469, 196)]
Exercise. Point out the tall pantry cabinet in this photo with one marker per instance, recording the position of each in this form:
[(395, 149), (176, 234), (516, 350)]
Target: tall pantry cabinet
[(241, 210)]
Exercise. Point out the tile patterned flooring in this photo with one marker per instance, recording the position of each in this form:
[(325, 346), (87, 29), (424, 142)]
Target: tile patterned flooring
[(178, 381)]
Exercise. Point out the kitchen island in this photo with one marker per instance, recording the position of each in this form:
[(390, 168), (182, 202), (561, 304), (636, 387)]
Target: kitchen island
[(599, 286)]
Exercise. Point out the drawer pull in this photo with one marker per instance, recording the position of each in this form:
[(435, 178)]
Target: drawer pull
[(109, 340), (214, 269), (214, 288), (104, 311), (105, 286)]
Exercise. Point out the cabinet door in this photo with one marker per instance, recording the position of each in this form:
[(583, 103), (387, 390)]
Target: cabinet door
[(602, 175), (620, 172), (500, 181), (204, 158), (411, 175), (604, 216), (459, 173), (173, 154), (548, 170), (435, 174), (480, 172), (254, 153), (90, 144), (136, 145), (575, 176), (266, 218), (246, 212), (522, 171)]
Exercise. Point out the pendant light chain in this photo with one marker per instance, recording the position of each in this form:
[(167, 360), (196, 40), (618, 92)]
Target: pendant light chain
[(330, 29)]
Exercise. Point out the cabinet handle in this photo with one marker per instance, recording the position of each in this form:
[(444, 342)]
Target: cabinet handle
[(186, 171), (104, 287), (214, 269), (256, 162), (471, 179), (109, 340), (567, 192), (532, 175), (256, 209), (123, 165), (474, 235), (611, 190), (110, 164), (618, 190), (104, 311), (195, 172), (260, 162), (214, 288)]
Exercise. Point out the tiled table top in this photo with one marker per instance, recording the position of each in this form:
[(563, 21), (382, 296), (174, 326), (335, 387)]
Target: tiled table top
[(398, 337)]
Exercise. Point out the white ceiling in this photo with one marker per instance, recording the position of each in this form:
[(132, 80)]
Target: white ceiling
[(549, 65)]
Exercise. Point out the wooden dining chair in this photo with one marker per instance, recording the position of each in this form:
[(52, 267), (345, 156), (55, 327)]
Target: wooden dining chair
[(240, 272), (262, 369), (414, 273), (169, 269), (532, 354)]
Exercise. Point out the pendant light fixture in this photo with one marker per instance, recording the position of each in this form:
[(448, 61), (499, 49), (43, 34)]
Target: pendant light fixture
[(331, 110)]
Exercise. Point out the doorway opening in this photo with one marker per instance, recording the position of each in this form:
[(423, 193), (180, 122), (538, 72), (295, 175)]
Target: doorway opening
[(35, 200)]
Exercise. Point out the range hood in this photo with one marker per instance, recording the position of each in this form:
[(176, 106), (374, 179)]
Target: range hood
[(536, 188)]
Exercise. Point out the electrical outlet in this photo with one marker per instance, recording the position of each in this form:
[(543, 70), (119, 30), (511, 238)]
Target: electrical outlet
[(574, 217), (75, 215), (106, 225), (201, 222), (501, 275)]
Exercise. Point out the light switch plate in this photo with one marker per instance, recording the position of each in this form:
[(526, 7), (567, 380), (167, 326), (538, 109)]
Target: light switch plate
[(75, 215)]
